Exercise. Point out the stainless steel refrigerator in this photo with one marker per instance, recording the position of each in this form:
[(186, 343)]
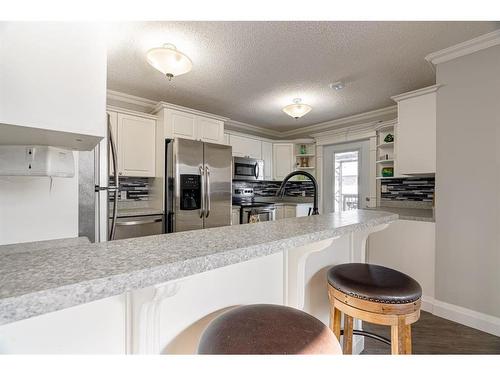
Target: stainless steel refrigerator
[(198, 180)]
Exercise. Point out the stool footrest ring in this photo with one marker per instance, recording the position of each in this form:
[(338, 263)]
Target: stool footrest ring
[(370, 335)]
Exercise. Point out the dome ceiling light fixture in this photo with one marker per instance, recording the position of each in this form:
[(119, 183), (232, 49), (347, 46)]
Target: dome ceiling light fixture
[(169, 61), (298, 109)]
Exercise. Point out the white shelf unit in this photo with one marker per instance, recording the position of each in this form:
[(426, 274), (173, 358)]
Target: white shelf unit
[(305, 159), (385, 150)]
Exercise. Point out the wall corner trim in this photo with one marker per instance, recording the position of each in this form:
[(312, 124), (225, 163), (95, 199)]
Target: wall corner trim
[(465, 48)]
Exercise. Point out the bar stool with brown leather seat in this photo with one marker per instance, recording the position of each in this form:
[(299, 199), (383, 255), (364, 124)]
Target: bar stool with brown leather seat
[(267, 329), (373, 294)]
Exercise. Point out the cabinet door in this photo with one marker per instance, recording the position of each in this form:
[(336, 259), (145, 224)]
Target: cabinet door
[(113, 122), (209, 130), (416, 135), (283, 160), (136, 146), (280, 212), (235, 218), (246, 147), (267, 156), (290, 211), (303, 209), (181, 125)]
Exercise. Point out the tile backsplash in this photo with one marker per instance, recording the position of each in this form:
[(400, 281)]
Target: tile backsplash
[(132, 189), (416, 189), (269, 188)]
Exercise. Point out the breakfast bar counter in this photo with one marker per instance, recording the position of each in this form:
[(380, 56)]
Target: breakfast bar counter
[(134, 285)]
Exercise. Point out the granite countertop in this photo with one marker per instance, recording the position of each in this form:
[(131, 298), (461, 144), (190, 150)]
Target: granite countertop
[(42, 245), (35, 282), (416, 214)]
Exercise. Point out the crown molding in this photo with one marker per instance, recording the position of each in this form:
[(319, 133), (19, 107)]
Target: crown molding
[(130, 99), (371, 116), (130, 112), (244, 127), (464, 48), (414, 93), (164, 105)]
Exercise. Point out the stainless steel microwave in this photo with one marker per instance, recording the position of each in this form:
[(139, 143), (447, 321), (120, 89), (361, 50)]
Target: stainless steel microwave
[(248, 169)]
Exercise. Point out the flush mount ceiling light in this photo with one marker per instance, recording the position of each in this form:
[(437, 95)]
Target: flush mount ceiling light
[(297, 109), (169, 60)]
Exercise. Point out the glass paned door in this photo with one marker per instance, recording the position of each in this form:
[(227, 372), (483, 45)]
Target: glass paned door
[(345, 182), (346, 172)]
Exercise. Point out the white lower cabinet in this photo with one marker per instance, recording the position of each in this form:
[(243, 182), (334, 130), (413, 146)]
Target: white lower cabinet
[(283, 160), (409, 247), (286, 211), (235, 216)]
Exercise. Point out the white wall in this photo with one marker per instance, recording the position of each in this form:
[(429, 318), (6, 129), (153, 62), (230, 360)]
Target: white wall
[(31, 211), (52, 76), (468, 182)]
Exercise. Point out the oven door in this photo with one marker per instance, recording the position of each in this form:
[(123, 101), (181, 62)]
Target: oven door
[(248, 169), (256, 215)]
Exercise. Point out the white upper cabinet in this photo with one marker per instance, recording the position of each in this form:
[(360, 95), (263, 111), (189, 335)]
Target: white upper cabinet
[(53, 84), (246, 147), (190, 125), (181, 125), (135, 143), (210, 130), (283, 160), (267, 156), (415, 145)]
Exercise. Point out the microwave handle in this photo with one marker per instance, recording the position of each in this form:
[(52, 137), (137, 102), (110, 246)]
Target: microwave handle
[(256, 170)]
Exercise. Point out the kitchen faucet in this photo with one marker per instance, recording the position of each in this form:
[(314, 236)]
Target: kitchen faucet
[(281, 191)]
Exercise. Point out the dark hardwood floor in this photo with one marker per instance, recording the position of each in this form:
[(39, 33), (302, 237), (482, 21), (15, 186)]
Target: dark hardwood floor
[(434, 335)]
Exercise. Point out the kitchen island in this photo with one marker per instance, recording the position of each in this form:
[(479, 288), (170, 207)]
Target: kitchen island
[(156, 294)]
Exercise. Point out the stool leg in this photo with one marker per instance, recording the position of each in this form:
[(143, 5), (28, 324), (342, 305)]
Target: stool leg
[(348, 323), (408, 339), (335, 321), (398, 336)]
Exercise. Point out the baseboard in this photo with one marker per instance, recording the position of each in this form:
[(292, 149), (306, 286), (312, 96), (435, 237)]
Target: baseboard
[(470, 318)]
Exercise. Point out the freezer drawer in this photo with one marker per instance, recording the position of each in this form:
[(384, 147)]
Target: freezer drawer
[(138, 226)]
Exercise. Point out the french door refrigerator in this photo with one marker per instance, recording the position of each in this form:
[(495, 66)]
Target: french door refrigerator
[(198, 180)]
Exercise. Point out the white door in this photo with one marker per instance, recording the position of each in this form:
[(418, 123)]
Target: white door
[(346, 176), (246, 147)]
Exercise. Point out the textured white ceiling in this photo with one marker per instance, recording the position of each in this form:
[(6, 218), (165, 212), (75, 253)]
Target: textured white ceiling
[(248, 71)]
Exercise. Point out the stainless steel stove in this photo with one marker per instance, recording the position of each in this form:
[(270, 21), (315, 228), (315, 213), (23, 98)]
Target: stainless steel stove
[(252, 211)]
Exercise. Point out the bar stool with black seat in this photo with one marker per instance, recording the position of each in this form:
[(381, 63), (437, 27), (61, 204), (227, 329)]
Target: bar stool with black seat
[(373, 294), (267, 329)]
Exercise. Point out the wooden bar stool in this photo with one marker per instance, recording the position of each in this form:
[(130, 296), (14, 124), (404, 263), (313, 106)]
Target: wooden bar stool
[(267, 329), (373, 294)]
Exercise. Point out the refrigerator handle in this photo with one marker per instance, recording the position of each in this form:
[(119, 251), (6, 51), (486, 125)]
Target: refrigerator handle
[(207, 171), (117, 182), (202, 198)]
